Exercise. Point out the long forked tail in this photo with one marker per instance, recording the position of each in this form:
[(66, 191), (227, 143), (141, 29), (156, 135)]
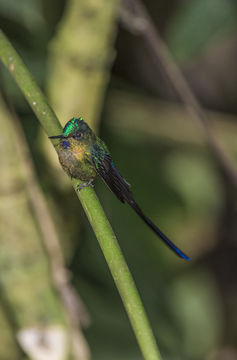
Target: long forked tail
[(157, 231)]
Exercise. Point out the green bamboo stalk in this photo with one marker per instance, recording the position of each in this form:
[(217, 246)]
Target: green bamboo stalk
[(103, 231)]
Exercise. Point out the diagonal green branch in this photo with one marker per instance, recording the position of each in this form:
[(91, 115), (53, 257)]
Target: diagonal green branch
[(103, 231)]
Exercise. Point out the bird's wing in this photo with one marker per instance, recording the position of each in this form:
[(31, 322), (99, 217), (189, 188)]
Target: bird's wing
[(105, 167)]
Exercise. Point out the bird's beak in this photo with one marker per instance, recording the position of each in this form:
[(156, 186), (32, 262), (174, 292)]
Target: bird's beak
[(57, 137)]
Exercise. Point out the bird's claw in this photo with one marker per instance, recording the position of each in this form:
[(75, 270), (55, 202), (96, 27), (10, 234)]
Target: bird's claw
[(83, 185)]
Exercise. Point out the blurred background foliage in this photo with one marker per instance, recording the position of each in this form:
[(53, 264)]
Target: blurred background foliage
[(159, 149)]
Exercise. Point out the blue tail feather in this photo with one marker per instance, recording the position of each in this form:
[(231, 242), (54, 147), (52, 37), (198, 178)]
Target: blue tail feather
[(157, 231)]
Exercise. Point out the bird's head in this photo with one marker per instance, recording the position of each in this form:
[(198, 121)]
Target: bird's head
[(75, 128)]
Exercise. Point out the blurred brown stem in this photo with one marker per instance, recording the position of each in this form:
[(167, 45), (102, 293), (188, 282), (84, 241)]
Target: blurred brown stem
[(136, 19)]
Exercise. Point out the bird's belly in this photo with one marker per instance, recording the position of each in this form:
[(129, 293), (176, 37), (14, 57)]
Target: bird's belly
[(76, 165)]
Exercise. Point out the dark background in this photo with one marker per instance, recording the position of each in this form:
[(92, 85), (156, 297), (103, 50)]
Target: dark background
[(175, 178)]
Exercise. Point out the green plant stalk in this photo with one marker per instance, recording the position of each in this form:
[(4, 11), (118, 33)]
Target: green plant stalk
[(103, 231)]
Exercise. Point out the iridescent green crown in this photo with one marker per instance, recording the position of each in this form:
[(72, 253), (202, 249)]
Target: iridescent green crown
[(71, 126)]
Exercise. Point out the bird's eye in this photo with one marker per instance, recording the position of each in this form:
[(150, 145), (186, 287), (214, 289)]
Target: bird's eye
[(78, 136)]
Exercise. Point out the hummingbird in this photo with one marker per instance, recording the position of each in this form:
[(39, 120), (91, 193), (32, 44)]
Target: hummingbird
[(83, 156)]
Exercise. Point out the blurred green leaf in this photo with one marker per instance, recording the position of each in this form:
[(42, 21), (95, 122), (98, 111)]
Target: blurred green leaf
[(27, 12), (193, 176), (194, 302), (197, 23)]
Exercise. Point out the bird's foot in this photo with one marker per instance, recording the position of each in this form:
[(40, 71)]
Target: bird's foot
[(83, 185)]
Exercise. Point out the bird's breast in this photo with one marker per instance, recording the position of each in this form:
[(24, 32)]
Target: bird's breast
[(74, 161), (79, 151)]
